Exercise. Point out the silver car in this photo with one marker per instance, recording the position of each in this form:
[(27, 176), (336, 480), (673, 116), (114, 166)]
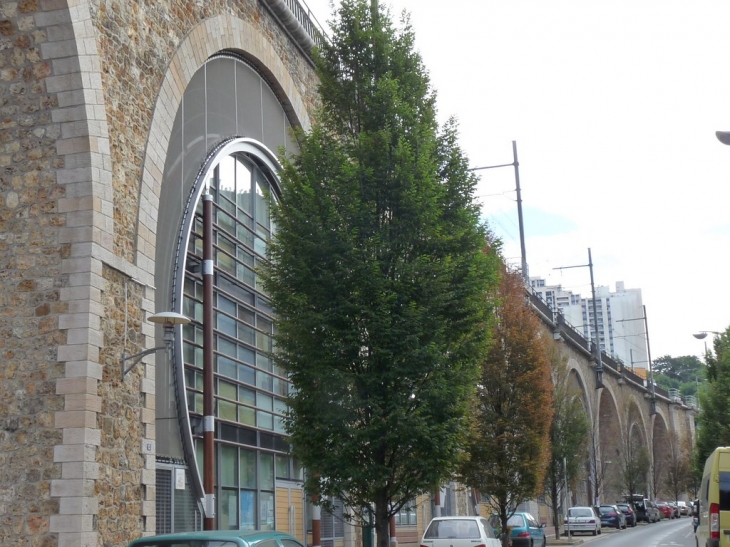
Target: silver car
[(459, 532), (582, 520)]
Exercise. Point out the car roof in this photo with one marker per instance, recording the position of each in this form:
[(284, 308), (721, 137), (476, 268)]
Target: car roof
[(248, 536), (458, 518)]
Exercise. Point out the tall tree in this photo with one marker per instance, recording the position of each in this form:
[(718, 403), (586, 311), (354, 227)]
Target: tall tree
[(713, 422), (379, 276), (634, 464), (569, 431), (677, 464), (509, 445)]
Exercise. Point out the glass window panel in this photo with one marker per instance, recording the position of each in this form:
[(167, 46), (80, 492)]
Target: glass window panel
[(243, 184), (265, 306), (193, 333), (282, 467), (246, 395), (247, 461), (225, 262), (247, 275), (262, 201), (226, 366), (263, 341), (226, 244), (226, 305), (248, 510), (246, 315), (244, 235), (193, 379), (265, 420), (226, 325), (190, 355), (264, 381), (227, 390), (227, 411), (229, 465), (246, 355), (227, 284), (246, 334), (279, 426), (190, 287), (227, 178), (229, 510), (227, 347), (266, 511), (247, 375), (264, 324), (280, 406), (246, 257), (247, 416), (259, 245), (266, 472), (226, 222), (265, 402), (281, 387), (264, 362), (199, 455)]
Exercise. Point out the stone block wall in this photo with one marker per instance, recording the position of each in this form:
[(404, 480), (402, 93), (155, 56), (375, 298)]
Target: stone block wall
[(86, 92)]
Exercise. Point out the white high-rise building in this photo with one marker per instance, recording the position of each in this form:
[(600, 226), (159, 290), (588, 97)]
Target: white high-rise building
[(620, 318)]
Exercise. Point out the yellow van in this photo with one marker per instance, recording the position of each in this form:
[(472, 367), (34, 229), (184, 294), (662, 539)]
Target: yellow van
[(714, 501)]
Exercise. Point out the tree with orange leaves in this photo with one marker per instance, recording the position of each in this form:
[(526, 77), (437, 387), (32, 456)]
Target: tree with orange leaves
[(509, 442)]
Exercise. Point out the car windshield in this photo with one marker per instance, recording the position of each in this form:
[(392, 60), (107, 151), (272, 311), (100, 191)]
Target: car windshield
[(516, 521), (453, 529), (606, 509), (580, 512)]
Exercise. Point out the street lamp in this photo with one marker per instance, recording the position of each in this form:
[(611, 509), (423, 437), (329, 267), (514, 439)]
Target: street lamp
[(168, 320), (723, 137), (516, 165)]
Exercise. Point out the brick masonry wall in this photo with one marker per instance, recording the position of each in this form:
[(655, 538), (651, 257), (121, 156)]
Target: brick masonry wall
[(88, 91)]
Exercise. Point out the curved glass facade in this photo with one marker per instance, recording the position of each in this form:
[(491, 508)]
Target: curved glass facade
[(250, 390)]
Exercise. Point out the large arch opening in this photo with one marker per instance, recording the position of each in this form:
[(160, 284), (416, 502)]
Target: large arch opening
[(603, 457)]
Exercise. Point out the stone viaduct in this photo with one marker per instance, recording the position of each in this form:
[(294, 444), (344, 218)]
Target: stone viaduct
[(625, 413)]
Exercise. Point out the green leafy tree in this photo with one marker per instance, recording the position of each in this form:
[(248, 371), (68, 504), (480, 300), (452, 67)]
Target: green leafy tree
[(713, 421), (509, 446), (677, 464), (569, 435), (379, 276)]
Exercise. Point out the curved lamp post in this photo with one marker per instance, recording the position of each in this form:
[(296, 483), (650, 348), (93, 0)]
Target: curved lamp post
[(168, 320)]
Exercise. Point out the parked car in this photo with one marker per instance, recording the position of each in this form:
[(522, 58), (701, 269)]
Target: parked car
[(582, 520), (665, 511), (646, 510), (683, 508), (525, 531), (675, 509), (459, 532), (612, 517), (229, 538), (628, 512)]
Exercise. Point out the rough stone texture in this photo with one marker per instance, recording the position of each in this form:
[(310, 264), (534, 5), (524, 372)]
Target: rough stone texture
[(87, 90)]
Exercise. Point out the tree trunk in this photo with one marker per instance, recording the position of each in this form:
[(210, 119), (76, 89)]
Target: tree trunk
[(554, 500), (382, 522)]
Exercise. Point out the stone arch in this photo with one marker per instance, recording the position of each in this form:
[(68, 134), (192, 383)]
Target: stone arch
[(220, 33), (660, 450), (609, 429)]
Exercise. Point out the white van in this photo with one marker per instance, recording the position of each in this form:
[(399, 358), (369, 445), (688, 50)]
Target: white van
[(714, 501)]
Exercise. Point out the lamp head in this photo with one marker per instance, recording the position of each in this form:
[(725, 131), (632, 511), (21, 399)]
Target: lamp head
[(700, 335), (169, 318), (723, 136)]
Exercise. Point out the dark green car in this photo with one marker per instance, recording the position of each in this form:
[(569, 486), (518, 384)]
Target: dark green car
[(219, 538)]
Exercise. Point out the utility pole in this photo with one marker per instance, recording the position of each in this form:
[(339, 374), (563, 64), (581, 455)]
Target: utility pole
[(597, 343), (516, 165)]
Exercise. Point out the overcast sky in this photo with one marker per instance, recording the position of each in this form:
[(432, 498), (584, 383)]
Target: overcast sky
[(614, 106)]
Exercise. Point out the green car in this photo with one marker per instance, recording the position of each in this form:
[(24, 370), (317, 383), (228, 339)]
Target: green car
[(219, 538)]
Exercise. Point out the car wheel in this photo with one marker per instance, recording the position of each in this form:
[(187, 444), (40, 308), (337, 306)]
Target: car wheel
[(599, 532)]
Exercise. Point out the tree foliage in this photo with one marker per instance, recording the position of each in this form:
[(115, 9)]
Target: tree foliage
[(677, 465), (379, 276), (682, 373), (509, 445), (713, 422), (569, 434)]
